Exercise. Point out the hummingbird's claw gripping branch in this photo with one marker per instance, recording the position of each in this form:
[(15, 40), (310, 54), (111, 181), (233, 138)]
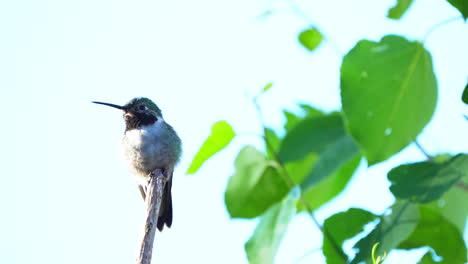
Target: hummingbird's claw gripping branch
[(154, 194)]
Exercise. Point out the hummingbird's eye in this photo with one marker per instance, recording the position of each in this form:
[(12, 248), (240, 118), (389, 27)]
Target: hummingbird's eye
[(142, 107)]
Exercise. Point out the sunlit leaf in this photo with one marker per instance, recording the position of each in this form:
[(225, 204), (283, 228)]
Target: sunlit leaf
[(263, 245), (255, 186), (341, 227), (427, 181), (441, 235), (221, 135), (388, 94), (390, 232), (310, 38), (399, 9), (267, 87)]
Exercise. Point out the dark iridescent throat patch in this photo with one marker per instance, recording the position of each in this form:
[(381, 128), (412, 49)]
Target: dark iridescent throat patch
[(139, 119)]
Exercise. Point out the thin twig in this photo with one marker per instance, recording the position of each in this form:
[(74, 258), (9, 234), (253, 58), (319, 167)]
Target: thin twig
[(154, 195), (307, 254), (429, 157), (438, 25), (292, 184)]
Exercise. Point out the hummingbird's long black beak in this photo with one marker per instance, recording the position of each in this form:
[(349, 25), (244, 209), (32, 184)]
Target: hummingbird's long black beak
[(111, 105)]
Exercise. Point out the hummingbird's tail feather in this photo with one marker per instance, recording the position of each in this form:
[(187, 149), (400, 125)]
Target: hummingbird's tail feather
[(165, 215)]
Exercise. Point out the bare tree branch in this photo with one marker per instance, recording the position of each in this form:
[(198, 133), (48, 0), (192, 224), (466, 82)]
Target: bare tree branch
[(154, 195)]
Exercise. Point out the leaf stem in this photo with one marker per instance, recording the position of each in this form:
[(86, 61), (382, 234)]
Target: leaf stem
[(462, 185), (429, 157), (440, 24), (310, 252), (292, 184)]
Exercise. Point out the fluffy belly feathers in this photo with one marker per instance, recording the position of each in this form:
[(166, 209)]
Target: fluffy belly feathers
[(145, 150)]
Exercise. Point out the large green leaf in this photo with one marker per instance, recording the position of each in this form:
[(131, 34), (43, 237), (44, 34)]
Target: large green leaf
[(310, 38), (388, 94), (440, 234), (263, 245), (399, 9), (255, 186), (311, 135), (221, 134), (461, 5), (427, 181), (327, 189), (341, 227), (390, 232)]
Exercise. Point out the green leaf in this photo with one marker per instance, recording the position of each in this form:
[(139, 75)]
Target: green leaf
[(307, 112), (390, 232), (453, 207), (341, 227), (427, 181), (327, 189), (335, 156), (255, 186), (325, 136), (311, 135), (221, 135), (441, 235), (274, 141), (263, 245), (388, 94), (267, 87), (399, 9), (299, 169), (465, 95), (310, 38), (461, 5)]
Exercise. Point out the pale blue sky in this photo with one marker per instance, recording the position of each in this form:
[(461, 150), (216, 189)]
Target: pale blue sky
[(65, 195)]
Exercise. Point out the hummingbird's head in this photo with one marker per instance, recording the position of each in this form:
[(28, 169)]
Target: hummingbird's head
[(139, 111)]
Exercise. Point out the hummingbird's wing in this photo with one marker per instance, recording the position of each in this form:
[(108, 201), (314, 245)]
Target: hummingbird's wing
[(165, 214)]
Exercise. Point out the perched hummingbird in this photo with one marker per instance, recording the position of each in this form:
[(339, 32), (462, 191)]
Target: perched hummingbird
[(150, 143)]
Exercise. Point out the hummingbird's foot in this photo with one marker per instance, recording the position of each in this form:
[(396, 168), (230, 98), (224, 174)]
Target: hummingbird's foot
[(142, 191)]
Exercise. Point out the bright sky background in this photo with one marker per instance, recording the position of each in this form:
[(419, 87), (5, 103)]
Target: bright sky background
[(65, 194)]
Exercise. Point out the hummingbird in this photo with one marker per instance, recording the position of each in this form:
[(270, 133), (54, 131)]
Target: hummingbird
[(150, 143)]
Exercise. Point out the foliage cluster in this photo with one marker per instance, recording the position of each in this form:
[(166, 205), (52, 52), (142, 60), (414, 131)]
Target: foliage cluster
[(388, 93)]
